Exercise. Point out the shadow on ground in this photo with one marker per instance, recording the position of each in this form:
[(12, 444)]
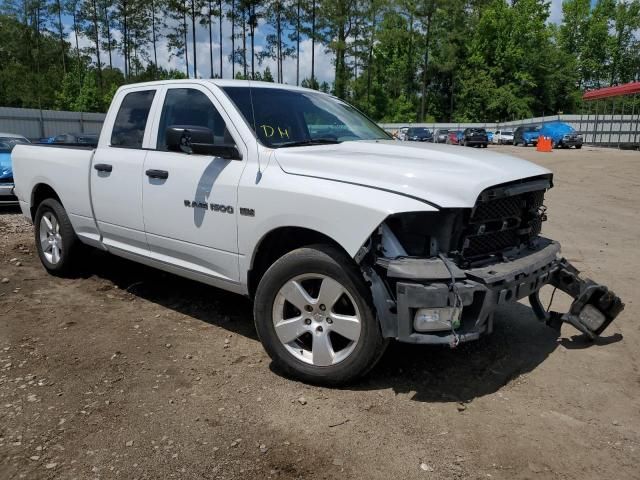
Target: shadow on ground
[(517, 346), (202, 302)]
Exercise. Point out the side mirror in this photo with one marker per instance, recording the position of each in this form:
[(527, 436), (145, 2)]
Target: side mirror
[(193, 139)]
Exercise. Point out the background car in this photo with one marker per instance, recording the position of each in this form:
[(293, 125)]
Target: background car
[(454, 137), (7, 142), (440, 135), (401, 134), (503, 137), (526, 135), (474, 136), (562, 135), (419, 134), (490, 136), (77, 138)]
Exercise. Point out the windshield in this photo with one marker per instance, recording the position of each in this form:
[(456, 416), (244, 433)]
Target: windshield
[(7, 143), (533, 129), (418, 131), (507, 132), (286, 118)]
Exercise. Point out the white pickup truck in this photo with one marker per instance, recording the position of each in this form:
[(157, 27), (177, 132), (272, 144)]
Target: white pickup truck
[(343, 237)]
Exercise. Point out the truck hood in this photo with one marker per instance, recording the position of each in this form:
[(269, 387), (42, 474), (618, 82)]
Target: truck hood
[(5, 166), (446, 176)]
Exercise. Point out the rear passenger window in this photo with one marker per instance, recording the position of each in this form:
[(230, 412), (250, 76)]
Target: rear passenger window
[(128, 129)]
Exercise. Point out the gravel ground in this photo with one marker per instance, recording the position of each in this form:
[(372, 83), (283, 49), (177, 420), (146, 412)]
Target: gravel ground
[(126, 372)]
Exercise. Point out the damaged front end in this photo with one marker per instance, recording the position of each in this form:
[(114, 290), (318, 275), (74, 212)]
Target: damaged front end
[(438, 277)]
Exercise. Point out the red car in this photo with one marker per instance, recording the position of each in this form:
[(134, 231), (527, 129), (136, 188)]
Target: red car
[(453, 138)]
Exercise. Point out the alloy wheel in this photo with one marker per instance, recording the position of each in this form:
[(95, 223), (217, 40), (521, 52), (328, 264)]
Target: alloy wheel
[(50, 238), (316, 319)]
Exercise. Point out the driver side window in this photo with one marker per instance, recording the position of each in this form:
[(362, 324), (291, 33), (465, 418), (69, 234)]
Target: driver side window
[(188, 106)]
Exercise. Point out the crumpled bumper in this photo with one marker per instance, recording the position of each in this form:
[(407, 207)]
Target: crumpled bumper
[(428, 283)]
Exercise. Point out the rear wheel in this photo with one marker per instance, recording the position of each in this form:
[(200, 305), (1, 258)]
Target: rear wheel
[(578, 147), (314, 316), (56, 241)]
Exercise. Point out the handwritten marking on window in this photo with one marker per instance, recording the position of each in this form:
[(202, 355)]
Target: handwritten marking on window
[(269, 131)]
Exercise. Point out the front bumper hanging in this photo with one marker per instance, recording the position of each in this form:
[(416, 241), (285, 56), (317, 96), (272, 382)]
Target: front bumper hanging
[(594, 306), (438, 284)]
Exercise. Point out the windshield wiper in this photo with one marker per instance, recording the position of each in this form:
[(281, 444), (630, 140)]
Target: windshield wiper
[(313, 141)]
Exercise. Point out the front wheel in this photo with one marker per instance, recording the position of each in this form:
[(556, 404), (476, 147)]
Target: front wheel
[(314, 317), (56, 241)]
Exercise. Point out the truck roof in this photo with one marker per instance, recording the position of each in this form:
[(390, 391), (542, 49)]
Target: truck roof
[(220, 82)]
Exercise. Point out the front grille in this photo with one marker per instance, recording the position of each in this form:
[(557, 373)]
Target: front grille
[(6, 180), (499, 223)]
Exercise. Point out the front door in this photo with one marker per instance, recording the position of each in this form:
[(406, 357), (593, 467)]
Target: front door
[(190, 201)]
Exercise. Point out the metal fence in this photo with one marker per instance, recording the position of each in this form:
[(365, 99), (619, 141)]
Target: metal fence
[(622, 131), (34, 123)]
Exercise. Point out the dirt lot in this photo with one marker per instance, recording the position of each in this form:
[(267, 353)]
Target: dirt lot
[(131, 373)]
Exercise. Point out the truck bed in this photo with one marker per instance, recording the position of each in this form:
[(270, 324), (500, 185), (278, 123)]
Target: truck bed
[(63, 168)]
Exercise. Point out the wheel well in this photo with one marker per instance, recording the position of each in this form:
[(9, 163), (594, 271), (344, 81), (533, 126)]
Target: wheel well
[(279, 242), (41, 192)]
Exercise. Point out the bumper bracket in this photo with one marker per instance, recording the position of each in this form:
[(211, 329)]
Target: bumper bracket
[(594, 306)]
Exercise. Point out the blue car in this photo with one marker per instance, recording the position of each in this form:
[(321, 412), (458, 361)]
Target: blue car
[(562, 135), (526, 135), (7, 142)]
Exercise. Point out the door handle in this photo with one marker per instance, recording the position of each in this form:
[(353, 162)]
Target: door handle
[(103, 167), (162, 174)]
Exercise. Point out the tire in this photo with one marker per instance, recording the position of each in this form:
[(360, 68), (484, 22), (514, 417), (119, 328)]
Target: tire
[(301, 275), (56, 241), (578, 147)]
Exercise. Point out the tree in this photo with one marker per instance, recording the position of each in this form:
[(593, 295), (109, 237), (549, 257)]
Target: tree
[(177, 36), (89, 20), (400, 60), (275, 48), (56, 10), (339, 17)]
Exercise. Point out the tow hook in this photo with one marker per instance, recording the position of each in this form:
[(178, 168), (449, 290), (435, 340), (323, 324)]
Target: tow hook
[(594, 306)]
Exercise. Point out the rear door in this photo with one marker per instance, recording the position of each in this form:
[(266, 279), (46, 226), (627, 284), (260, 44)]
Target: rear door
[(116, 173), (190, 214)]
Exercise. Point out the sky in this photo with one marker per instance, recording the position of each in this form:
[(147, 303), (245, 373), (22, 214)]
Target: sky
[(323, 61)]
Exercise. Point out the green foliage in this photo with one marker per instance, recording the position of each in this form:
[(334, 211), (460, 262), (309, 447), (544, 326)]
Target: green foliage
[(396, 60)]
